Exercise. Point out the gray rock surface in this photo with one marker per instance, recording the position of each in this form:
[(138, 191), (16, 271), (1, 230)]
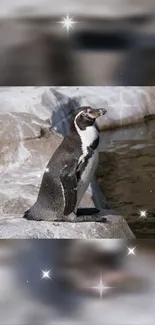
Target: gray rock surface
[(125, 105), (15, 227)]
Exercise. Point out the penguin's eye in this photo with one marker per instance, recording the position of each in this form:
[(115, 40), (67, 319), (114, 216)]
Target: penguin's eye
[(86, 115)]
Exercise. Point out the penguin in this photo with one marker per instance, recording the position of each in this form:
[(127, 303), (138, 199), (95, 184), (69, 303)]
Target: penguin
[(69, 172)]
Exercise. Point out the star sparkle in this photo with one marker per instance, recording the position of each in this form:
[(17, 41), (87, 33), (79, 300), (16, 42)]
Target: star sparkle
[(47, 170), (143, 214), (46, 274), (101, 287), (131, 251), (123, 105), (67, 22)]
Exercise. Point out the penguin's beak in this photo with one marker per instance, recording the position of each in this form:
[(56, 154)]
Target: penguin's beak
[(95, 113)]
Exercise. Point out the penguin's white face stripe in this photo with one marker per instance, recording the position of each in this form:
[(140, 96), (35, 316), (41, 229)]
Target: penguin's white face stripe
[(87, 137)]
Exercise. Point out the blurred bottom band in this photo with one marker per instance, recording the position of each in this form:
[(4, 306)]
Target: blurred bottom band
[(77, 281)]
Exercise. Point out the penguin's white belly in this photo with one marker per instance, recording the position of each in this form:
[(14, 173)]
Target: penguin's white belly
[(86, 177)]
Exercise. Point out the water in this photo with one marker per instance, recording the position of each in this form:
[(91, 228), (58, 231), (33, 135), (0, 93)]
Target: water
[(126, 174)]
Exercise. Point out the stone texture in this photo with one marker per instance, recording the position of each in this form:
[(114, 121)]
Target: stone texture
[(125, 105), (15, 227)]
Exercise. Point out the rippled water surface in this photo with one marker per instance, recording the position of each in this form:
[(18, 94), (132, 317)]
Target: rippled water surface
[(126, 174)]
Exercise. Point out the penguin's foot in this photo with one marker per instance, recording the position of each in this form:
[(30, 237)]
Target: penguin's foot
[(84, 218), (87, 211)]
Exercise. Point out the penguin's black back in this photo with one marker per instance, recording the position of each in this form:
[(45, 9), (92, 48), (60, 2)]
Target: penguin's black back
[(50, 195)]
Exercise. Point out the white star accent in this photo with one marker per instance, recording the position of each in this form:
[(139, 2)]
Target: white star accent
[(67, 22), (46, 274), (101, 287), (143, 214), (131, 251), (47, 170), (121, 103)]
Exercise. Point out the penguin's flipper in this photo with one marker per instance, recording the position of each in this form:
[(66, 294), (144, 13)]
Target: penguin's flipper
[(69, 183)]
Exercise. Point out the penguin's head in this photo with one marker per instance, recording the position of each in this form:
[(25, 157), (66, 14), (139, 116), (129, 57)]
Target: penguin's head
[(86, 116)]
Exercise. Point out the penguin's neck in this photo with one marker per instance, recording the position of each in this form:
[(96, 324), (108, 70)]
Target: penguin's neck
[(89, 138)]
